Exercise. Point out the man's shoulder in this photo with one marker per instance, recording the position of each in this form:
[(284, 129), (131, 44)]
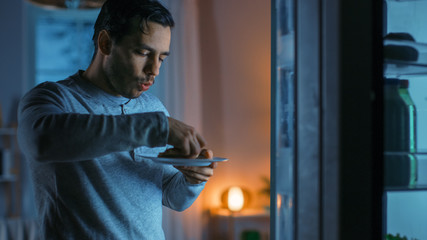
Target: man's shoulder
[(54, 85), (61, 84), (49, 90)]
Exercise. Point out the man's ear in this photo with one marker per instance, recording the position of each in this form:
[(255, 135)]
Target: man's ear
[(104, 42)]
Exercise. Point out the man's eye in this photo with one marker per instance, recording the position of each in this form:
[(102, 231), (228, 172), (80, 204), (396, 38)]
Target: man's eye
[(143, 53), (162, 58)]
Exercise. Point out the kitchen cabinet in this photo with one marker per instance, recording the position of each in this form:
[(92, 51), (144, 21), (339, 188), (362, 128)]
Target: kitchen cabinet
[(247, 224)]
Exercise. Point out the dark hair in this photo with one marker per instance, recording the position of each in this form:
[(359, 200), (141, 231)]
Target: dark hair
[(117, 17)]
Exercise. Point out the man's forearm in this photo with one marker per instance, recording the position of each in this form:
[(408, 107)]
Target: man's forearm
[(74, 137)]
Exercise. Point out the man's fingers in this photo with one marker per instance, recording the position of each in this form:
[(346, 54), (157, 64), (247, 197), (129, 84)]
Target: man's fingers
[(206, 154), (185, 138), (196, 175), (176, 153), (213, 165), (202, 153), (194, 149), (171, 152), (201, 140), (206, 170)]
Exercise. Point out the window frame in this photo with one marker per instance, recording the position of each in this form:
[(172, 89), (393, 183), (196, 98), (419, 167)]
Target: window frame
[(32, 13)]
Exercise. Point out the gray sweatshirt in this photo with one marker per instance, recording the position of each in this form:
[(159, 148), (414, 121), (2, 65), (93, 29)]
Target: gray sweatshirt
[(84, 150)]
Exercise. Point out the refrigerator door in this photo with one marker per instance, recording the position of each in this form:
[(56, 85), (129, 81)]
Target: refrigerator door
[(326, 156), (283, 120)]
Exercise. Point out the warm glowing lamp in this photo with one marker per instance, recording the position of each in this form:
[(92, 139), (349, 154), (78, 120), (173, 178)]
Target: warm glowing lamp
[(235, 199)]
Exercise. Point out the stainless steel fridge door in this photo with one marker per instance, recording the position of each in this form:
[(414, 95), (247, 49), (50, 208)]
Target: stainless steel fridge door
[(326, 156)]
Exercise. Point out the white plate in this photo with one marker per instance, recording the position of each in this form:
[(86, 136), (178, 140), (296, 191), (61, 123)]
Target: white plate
[(186, 161)]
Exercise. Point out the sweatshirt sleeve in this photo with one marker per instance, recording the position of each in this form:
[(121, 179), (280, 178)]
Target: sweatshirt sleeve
[(48, 133), (178, 194)]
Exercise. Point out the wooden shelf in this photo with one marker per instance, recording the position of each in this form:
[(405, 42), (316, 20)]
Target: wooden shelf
[(7, 178)]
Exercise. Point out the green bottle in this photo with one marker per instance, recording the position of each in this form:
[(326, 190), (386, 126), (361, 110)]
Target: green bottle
[(397, 131), (411, 114), (399, 135), (412, 124)]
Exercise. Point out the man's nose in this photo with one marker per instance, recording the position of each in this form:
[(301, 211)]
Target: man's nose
[(153, 67)]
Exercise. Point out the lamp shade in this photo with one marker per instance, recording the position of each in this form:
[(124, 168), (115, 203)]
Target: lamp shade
[(235, 199)]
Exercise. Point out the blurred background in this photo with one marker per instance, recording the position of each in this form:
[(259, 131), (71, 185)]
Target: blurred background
[(217, 79)]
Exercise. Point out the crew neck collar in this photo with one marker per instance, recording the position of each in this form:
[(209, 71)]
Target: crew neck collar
[(94, 91)]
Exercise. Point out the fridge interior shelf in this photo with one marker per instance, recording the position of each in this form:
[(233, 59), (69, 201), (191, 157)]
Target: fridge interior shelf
[(406, 189), (419, 153), (397, 68)]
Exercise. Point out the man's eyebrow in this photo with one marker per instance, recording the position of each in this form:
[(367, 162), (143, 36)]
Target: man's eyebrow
[(144, 46)]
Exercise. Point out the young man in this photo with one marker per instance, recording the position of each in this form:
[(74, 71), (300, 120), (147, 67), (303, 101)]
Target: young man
[(84, 136)]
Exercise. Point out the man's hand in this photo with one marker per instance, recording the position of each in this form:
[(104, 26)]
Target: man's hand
[(185, 140), (196, 175)]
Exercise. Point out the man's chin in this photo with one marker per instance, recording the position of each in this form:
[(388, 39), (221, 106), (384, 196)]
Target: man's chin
[(133, 95), (136, 95)]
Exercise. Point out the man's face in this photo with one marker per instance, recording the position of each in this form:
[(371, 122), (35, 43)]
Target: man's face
[(135, 60)]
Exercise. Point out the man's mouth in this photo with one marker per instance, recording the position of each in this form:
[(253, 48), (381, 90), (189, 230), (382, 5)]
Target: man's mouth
[(146, 85)]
